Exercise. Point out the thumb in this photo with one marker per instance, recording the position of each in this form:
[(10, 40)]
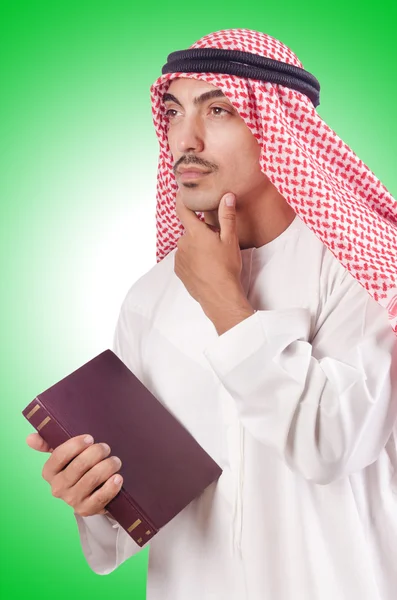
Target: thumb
[(35, 441), (227, 216)]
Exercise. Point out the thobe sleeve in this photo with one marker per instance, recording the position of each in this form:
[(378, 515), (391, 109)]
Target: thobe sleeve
[(105, 544), (317, 390)]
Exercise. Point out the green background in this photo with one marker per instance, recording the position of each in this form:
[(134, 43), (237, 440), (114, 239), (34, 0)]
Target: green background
[(78, 174)]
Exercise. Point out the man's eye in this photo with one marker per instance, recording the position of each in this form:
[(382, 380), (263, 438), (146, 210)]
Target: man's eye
[(170, 113), (219, 110)]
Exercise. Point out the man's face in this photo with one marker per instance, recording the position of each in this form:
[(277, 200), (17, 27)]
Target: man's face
[(207, 134)]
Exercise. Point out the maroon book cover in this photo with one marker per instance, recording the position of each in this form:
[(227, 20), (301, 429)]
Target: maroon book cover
[(163, 467)]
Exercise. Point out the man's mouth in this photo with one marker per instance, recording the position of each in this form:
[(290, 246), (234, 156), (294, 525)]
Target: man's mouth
[(187, 173)]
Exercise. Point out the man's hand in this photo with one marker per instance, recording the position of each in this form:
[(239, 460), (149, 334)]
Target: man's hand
[(74, 471), (209, 265)]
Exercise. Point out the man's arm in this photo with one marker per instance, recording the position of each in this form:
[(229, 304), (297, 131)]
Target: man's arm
[(327, 405), (230, 313), (105, 544)]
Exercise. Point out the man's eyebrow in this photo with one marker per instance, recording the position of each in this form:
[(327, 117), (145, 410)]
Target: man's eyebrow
[(199, 100), (171, 98), (208, 96)]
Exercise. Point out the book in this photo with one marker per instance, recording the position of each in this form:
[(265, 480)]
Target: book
[(163, 467)]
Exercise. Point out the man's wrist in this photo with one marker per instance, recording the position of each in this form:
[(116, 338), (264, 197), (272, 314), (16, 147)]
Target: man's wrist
[(228, 315)]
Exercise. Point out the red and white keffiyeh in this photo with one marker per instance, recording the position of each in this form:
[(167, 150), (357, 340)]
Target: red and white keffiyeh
[(322, 179)]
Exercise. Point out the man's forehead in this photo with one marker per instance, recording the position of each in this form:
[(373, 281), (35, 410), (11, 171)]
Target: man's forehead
[(182, 84)]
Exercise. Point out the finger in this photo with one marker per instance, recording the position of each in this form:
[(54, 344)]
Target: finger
[(64, 453), (73, 488), (213, 228), (95, 477), (84, 463), (187, 217), (35, 441), (96, 502), (87, 484), (227, 217)]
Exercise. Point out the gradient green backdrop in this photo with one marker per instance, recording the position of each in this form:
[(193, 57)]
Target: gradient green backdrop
[(78, 170)]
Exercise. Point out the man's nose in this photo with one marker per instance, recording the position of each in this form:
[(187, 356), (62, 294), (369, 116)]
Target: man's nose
[(190, 136)]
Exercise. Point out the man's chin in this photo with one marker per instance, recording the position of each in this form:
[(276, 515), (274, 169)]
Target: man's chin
[(199, 202), (200, 206)]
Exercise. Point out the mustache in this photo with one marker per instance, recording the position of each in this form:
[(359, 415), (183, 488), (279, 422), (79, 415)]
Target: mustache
[(190, 159)]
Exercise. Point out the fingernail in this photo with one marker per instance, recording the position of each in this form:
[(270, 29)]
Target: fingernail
[(229, 200), (88, 439), (117, 479), (117, 460), (106, 447)]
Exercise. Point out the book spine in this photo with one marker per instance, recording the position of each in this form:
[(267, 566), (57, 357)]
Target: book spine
[(121, 507), (131, 518), (50, 430)]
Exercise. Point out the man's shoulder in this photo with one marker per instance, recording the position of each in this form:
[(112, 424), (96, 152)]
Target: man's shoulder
[(145, 292)]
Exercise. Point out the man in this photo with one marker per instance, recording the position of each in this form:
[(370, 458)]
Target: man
[(264, 329)]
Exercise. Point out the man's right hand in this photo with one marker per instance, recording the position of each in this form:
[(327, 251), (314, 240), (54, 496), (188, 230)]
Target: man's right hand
[(76, 468)]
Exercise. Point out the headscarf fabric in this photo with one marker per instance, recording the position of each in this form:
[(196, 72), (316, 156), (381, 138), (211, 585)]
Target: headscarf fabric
[(327, 185)]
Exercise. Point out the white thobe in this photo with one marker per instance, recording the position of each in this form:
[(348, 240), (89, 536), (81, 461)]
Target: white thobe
[(296, 404)]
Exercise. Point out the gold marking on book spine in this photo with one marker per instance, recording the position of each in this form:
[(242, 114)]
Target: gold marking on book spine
[(46, 420), (33, 411), (148, 532), (134, 525), (140, 541)]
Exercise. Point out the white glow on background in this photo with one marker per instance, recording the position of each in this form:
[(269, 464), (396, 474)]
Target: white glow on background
[(90, 238), (116, 242), (122, 253)]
